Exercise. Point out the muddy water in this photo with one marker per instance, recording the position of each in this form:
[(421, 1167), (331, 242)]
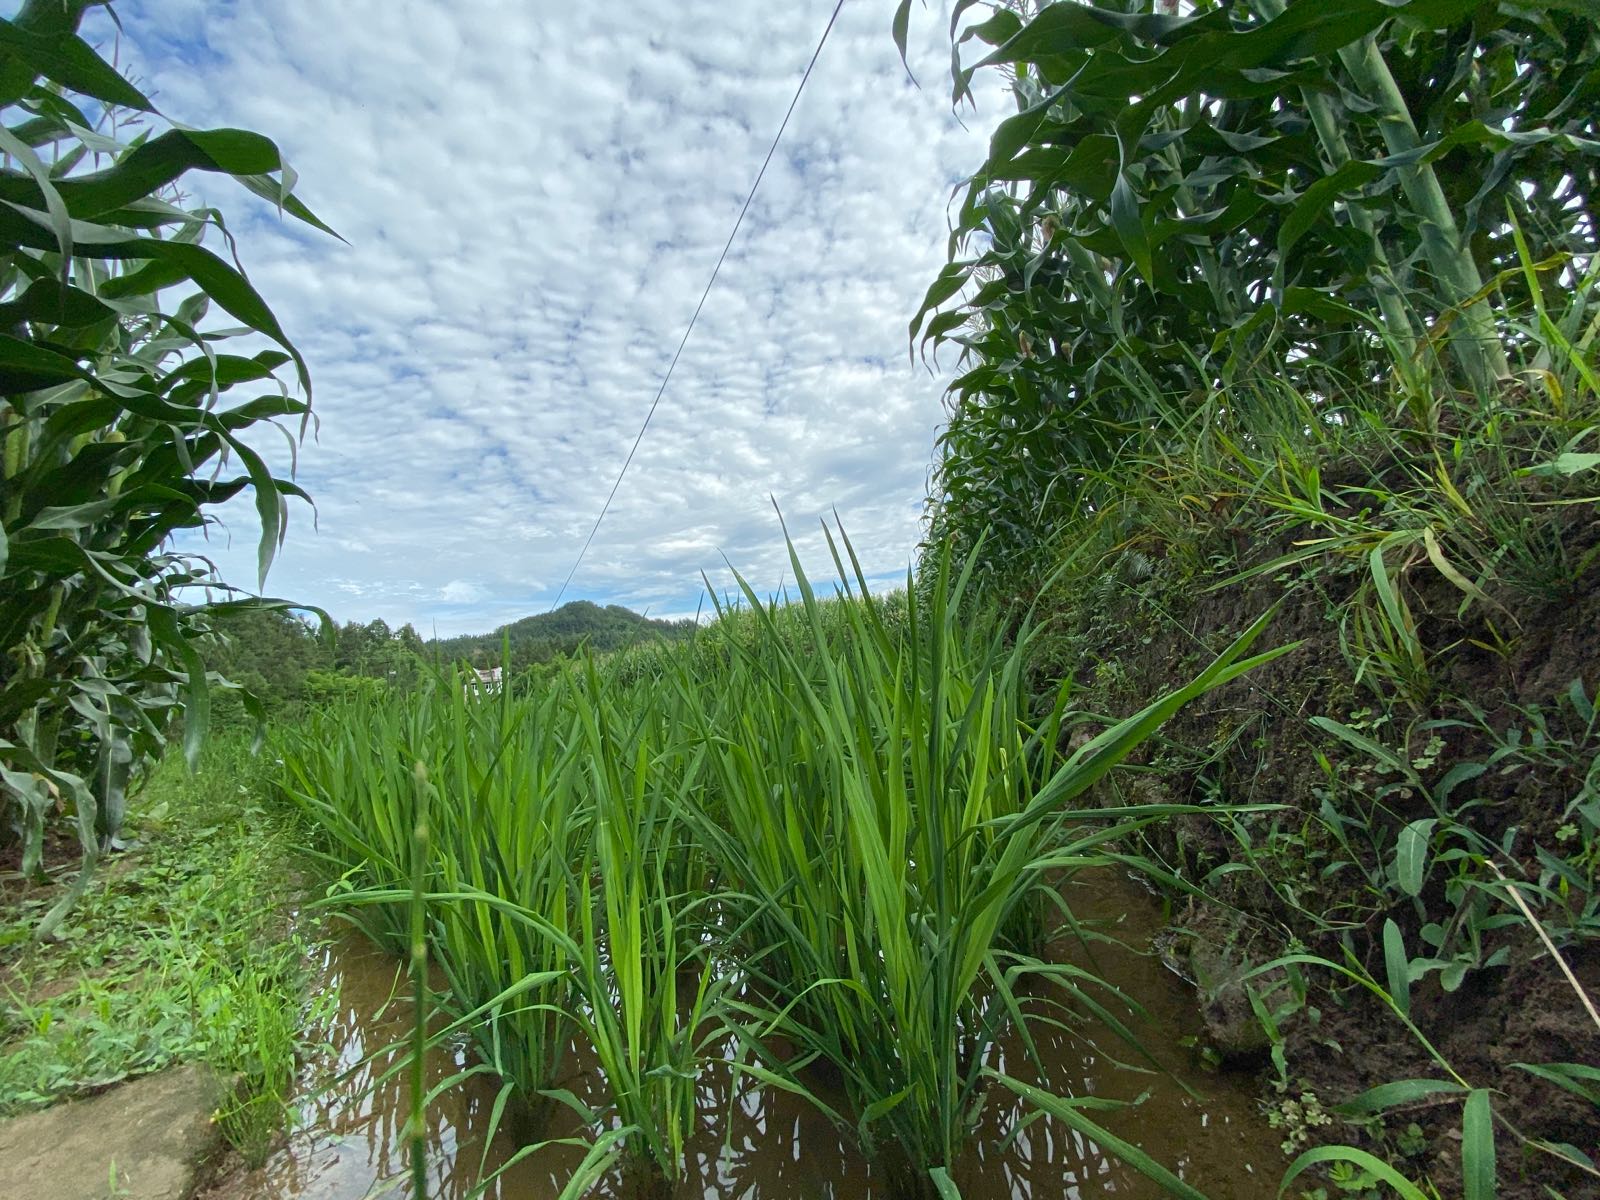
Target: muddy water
[(1203, 1126), (761, 1145)]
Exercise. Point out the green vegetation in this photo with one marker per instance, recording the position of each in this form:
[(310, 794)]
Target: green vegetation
[(184, 953), (546, 637), (1275, 320), (124, 422), (826, 843), (1247, 205), (1296, 305), (120, 427), (285, 664)]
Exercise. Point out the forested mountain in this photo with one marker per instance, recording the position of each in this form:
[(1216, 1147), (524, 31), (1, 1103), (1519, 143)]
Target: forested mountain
[(285, 659), (547, 636)]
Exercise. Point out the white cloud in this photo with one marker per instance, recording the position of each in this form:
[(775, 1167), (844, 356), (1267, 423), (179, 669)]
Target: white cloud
[(460, 591), (533, 196)]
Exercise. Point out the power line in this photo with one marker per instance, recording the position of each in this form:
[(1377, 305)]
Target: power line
[(665, 379)]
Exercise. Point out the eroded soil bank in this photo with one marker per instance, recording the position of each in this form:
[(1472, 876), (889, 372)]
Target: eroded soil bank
[(1388, 807)]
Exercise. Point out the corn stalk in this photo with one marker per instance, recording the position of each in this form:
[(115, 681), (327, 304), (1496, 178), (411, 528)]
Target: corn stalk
[(1187, 200), (120, 424)]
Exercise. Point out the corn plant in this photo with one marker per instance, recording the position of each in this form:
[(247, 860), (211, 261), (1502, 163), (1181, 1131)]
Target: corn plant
[(119, 421), (1332, 194)]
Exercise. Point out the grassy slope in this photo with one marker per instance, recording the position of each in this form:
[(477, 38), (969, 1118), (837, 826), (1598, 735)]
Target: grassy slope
[(180, 952)]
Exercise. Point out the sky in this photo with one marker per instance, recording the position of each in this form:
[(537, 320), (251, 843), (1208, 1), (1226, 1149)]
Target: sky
[(532, 196)]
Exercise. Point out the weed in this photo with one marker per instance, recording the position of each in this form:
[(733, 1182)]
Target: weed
[(1299, 1117)]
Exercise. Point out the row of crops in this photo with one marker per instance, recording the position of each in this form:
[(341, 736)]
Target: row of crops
[(824, 839)]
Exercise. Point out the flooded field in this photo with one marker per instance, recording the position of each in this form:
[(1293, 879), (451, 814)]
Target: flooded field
[(761, 1144)]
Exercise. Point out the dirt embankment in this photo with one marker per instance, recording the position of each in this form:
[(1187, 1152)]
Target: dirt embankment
[(1490, 740)]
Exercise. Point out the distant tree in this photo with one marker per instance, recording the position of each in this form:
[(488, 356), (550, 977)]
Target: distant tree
[(269, 653)]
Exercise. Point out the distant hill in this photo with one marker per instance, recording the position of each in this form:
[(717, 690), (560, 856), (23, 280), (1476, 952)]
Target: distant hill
[(545, 636)]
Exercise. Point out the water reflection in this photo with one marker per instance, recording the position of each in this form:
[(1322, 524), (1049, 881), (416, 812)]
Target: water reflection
[(351, 1145), (1203, 1127), (760, 1144)]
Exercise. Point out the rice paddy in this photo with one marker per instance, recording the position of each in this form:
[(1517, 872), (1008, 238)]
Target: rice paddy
[(821, 849), (755, 1141), (1263, 305)]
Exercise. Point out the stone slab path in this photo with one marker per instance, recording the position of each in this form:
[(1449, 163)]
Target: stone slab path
[(157, 1130)]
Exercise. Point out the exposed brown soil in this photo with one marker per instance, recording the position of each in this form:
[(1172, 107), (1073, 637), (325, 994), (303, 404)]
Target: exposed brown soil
[(60, 849)]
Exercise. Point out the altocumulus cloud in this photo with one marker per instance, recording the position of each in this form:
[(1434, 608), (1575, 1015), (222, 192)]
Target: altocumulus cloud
[(533, 195)]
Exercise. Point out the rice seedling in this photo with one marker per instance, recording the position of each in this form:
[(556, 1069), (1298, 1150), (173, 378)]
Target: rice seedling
[(508, 822), (859, 783), (892, 821), (822, 841), (416, 1118), (646, 987), (554, 882)]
